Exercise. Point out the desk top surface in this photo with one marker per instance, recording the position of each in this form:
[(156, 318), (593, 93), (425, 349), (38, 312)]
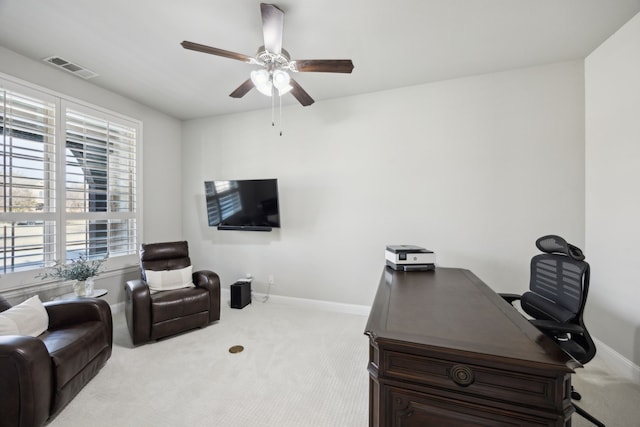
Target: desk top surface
[(451, 308)]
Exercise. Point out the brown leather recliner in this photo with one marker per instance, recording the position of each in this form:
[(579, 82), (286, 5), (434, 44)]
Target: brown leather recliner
[(150, 315), (40, 376)]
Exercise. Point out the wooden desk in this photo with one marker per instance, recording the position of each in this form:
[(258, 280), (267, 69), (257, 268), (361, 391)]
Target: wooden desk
[(445, 350)]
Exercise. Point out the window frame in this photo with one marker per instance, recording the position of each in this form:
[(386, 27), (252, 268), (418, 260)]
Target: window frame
[(26, 278)]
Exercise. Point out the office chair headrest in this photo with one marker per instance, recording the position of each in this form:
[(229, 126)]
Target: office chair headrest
[(556, 244)]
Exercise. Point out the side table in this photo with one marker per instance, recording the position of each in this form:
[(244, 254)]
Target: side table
[(97, 293)]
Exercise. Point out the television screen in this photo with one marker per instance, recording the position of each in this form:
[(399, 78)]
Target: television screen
[(250, 204)]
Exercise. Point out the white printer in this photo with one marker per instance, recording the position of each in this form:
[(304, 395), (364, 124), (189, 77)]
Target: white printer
[(410, 258)]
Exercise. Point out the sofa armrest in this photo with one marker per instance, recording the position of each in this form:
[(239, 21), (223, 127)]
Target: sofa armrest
[(137, 308), (25, 381), (70, 312), (211, 281)]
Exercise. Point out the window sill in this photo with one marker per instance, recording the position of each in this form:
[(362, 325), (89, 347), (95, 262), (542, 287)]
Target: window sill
[(23, 291)]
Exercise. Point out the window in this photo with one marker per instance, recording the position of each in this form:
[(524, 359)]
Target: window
[(69, 182), (28, 184), (100, 186)]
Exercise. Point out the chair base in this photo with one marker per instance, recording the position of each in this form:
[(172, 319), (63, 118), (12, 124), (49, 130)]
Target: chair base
[(587, 416), (575, 395)]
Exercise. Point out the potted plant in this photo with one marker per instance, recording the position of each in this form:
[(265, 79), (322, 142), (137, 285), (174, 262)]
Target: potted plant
[(80, 271)]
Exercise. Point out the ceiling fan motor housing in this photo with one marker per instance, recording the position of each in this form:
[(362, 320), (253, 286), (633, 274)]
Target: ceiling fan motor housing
[(273, 60)]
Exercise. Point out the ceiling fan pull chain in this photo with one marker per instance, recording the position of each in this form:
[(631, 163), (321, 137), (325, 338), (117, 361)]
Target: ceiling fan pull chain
[(273, 120), (280, 98)]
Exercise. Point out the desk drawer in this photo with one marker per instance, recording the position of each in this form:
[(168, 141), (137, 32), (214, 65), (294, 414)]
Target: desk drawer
[(411, 409), (476, 381)]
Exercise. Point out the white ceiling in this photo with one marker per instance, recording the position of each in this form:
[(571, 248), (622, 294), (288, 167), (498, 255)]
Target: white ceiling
[(134, 45)]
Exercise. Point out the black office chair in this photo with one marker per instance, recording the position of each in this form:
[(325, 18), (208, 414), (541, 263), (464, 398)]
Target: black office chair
[(558, 289)]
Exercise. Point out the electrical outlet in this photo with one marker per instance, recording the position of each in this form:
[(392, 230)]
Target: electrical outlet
[(272, 280)]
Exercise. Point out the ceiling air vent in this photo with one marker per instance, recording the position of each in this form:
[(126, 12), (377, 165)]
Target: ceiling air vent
[(70, 67)]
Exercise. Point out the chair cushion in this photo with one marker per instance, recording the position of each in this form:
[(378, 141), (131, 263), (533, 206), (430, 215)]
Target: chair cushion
[(73, 347), (167, 280), (178, 303), (27, 318), (8, 326), (542, 308)]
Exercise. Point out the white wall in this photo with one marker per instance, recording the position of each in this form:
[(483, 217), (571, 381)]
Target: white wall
[(475, 169), (162, 216), (612, 200)]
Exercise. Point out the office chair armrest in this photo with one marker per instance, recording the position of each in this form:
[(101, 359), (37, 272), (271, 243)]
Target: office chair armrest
[(510, 298), (557, 327)]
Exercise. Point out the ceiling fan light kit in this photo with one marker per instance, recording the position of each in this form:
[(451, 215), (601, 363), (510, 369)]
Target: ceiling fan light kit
[(276, 62), (262, 81), (265, 81), (281, 81)]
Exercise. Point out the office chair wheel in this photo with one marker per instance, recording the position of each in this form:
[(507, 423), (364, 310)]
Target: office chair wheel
[(575, 395)]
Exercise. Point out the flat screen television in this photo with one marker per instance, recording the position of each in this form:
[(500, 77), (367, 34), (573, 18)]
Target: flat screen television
[(250, 204)]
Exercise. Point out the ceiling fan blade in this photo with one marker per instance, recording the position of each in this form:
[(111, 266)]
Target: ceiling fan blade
[(323, 65), (300, 94), (215, 51), (242, 89), (272, 27)]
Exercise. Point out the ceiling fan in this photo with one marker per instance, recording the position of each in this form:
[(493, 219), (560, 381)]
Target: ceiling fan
[(275, 61)]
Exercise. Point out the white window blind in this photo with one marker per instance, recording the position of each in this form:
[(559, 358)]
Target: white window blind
[(69, 182), (28, 162), (100, 187)]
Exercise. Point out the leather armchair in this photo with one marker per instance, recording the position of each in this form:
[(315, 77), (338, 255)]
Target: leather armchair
[(151, 316), (40, 376)]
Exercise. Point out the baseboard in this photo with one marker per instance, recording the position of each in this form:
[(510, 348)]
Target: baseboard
[(332, 306), (618, 364)]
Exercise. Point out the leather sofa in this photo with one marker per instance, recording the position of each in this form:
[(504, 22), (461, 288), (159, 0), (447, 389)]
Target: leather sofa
[(152, 315), (40, 375)]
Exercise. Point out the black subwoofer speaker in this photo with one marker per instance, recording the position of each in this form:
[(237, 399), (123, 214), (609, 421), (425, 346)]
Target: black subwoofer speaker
[(240, 294)]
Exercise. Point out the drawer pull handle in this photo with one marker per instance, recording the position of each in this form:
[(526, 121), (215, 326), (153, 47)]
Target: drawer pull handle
[(462, 375)]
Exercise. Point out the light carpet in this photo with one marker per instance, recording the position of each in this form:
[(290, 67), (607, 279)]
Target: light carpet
[(613, 400), (300, 367)]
